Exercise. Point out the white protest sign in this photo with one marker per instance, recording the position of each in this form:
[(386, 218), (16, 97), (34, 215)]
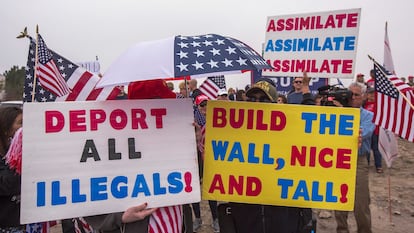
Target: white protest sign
[(324, 44), (90, 158)]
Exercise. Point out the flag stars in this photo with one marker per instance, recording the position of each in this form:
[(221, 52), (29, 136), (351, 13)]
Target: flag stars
[(182, 54), (215, 51), (183, 45), (182, 67), (60, 60), (231, 50), (219, 42), (208, 43), (195, 44), (199, 53), (198, 65), (227, 62), (241, 61), (213, 64)]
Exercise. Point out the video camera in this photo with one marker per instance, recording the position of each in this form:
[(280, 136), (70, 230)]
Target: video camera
[(330, 93)]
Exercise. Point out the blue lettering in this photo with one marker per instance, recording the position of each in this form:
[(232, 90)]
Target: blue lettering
[(140, 186), (176, 185), (157, 185), (56, 198), (329, 193), (117, 190), (325, 123), (269, 46), (266, 155), (41, 193), (345, 124), (308, 117), (76, 195), (349, 43), (219, 149), (250, 157), (278, 45), (301, 191), (98, 189), (315, 193), (285, 184), (236, 152)]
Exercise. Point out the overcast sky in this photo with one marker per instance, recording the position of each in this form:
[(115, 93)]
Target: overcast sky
[(80, 30)]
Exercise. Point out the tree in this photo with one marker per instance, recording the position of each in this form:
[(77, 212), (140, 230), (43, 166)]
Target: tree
[(15, 83)]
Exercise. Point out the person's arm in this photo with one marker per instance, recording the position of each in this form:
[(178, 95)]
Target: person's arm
[(9, 180), (307, 96), (111, 222)]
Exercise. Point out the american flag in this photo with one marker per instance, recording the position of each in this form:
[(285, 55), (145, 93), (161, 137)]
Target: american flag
[(213, 54), (212, 85), (81, 81), (47, 71), (394, 101)]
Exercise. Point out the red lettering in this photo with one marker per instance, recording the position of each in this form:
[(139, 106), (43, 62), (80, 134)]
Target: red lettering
[(158, 113), (352, 20), (236, 122), (347, 66), (217, 184), (236, 185), (259, 124), (330, 22), (253, 186), (118, 119), (271, 26), (138, 118), (322, 154), (344, 160), (219, 117), (325, 67), (77, 120), (340, 18), (97, 116), (250, 118), (54, 121), (277, 120)]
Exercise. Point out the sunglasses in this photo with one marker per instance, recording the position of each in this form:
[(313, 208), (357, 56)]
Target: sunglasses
[(203, 104), (262, 99), (298, 81)]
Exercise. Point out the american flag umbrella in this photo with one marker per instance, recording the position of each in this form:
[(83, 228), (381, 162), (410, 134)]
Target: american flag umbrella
[(196, 56)]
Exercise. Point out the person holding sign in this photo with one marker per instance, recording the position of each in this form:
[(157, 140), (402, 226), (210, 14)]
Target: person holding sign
[(140, 219), (362, 199), (10, 122)]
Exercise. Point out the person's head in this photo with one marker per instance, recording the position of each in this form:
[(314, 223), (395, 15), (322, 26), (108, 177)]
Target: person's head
[(231, 91), (222, 95), (358, 91), (318, 99), (11, 119), (360, 78), (403, 79), (281, 99), (241, 95), (183, 88), (192, 85), (370, 94), (170, 85), (264, 90), (410, 79), (150, 89), (297, 83), (201, 103), (372, 73)]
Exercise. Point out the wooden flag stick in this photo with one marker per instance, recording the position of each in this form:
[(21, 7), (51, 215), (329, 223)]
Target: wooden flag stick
[(36, 63)]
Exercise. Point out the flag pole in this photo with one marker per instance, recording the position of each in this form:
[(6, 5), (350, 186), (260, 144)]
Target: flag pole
[(36, 63), (389, 194), (402, 94)]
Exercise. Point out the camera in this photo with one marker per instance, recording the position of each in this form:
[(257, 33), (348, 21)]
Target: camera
[(330, 93)]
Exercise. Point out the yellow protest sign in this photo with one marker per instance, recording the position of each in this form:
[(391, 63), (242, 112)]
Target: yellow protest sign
[(276, 154)]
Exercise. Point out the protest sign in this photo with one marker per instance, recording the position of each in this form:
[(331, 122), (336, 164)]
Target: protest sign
[(90, 158), (324, 44), (277, 154)]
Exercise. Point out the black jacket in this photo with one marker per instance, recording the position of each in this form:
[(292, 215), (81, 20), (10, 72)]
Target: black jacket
[(9, 196)]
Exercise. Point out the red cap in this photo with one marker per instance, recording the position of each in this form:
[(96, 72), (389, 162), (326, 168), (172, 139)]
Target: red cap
[(200, 98), (360, 75), (150, 89)]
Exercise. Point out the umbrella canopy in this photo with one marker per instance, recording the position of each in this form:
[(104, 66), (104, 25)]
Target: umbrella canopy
[(178, 56)]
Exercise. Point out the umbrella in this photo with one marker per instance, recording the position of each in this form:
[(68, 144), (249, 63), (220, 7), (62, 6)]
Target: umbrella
[(204, 55)]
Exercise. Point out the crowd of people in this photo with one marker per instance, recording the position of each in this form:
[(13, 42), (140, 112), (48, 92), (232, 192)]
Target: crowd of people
[(247, 218)]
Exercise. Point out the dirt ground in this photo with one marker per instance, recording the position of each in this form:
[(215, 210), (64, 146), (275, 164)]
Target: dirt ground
[(397, 219)]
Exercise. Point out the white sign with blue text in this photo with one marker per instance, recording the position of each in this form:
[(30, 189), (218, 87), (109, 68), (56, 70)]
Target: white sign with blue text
[(97, 157)]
